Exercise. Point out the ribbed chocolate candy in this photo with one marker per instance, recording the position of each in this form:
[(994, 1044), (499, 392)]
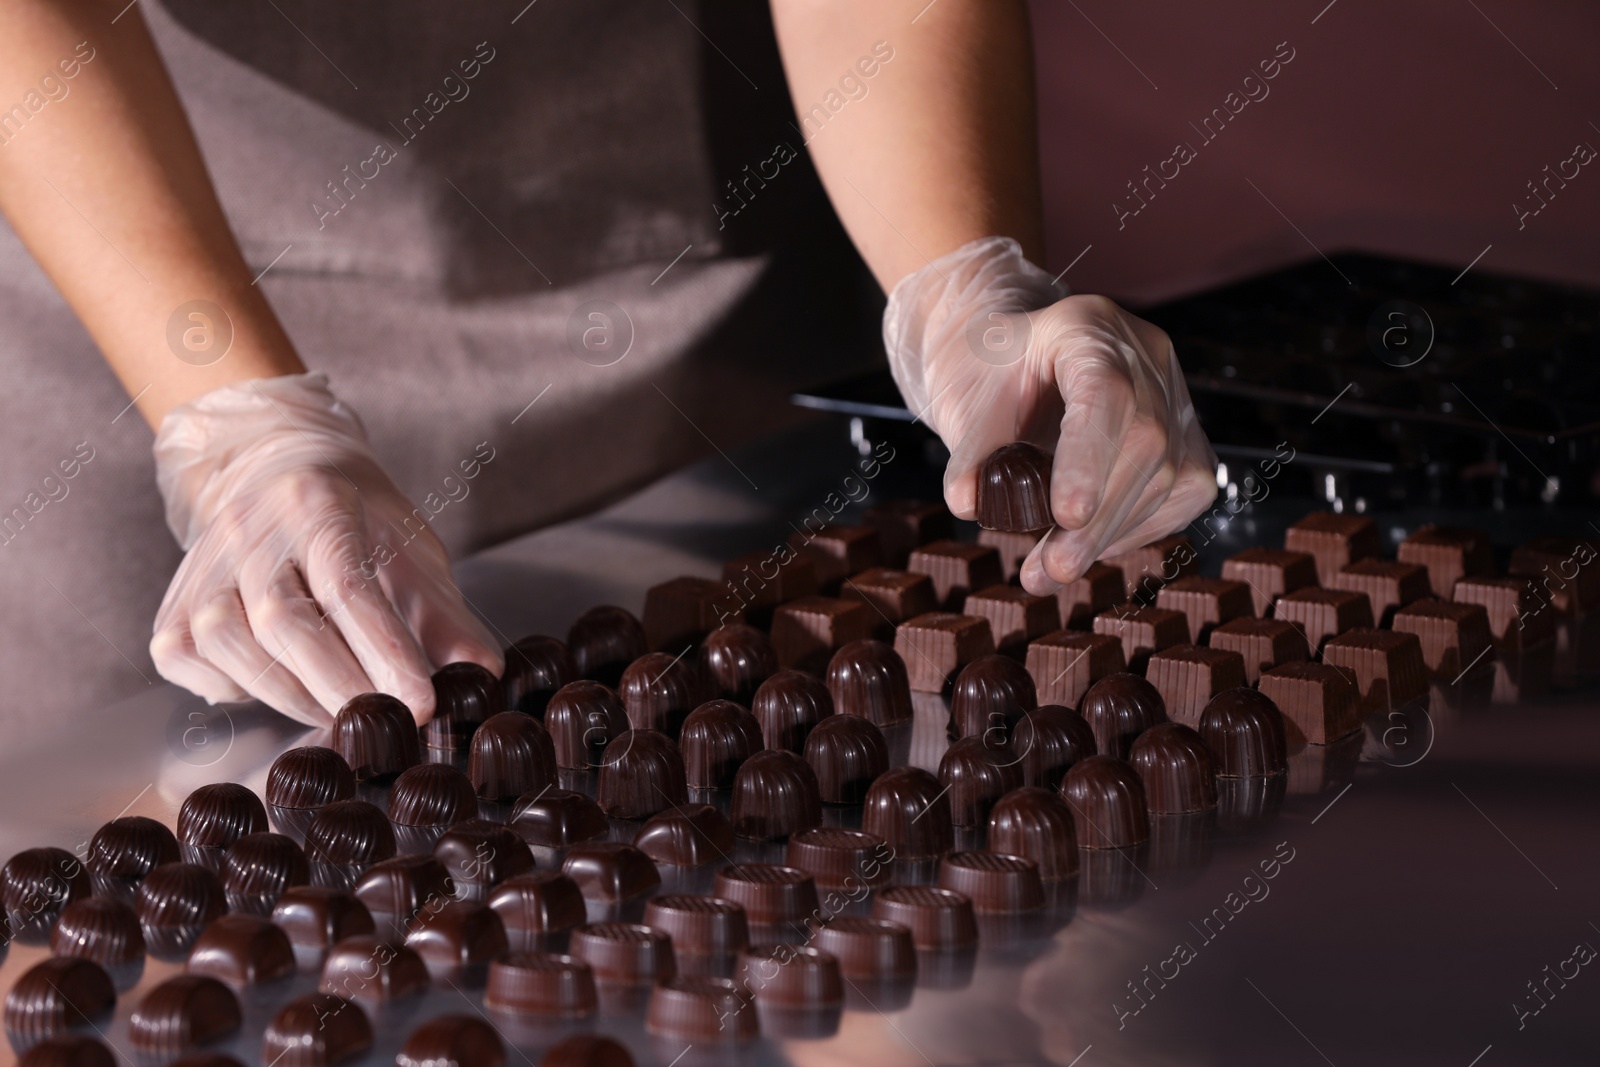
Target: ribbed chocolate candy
[(610, 872), (1176, 768), (708, 927), (309, 777), (641, 773), (319, 916), (457, 940), (975, 772), (433, 794), (100, 929), (787, 706), (1244, 730), (939, 919), (182, 1014), (660, 691), (717, 737), (349, 833), (377, 737), (1014, 489), (179, 894), (1118, 708), (557, 818), (465, 695), (458, 1040), (690, 835), (991, 694), (538, 909), (541, 984), (847, 753), (511, 755), (737, 658), (56, 995), (242, 950), (603, 641), (1049, 740), (401, 887), (536, 667), (37, 883), (992, 881), (769, 893), (372, 968), (869, 679), (258, 867), (316, 1030), (791, 976), (868, 948), (123, 851), (1107, 802), (841, 859), (701, 1010), (907, 808), (480, 854), (584, 717), (625, 953), (215, 816), (1037, 824), (775, 794)]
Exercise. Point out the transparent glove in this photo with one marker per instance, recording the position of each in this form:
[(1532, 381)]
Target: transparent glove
[(308, 577), (987, 349)]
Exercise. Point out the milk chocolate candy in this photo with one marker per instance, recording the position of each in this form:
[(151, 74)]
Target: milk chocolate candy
[(991, 694), (841, 859), (538, 910), (641, 773), (582, 718), (316, 1030), (775, 794), (349, 833), (453, 1041), (318, 916), (939, 919), (1518, 617), (68, 1050), (704, 930), (1263, 643), (557, 818), (692, 835), (122, 852), (55, 995), (1454, 637), (1048, 741), (1389, 585), (611, 872), (536, 667), (372, 968), (957, 568), (788, 705), (179, 895), (1064, 664), (1095, 590), (705, 1011), (1119, 708), (737, 658), (1322, 614), (587, 1050), (1108, 803), (214, 817), (1147, 568), (992, 881), (906, 524), (480, 854), (1271, 573), (837, 551), (603, 641), (1206, 602), (629, 954), (976, 771), (257, 868), (908, 808), (1143, 631), (760, 581), (99, 929), (847, 753), (1449, 553), (1188, 676), (868, 948), (891, 597), (377, 737), (660, 691), (1036, 824), (401, 887), (1320, 702), (309, 777), (1014, 489), (806, 632), (1335, 541), (1562, 571), (1388, 666), (242, 950), (1244, 730), (541, 984), (678, 613), (717, 737), (183, 1014), (1015, 616), (1176, 768), (868, 679), (434, 794), (770, 894), (935, 647), (511, 755), (457, 939), (1013, 549), (466, 694), (37, 883)]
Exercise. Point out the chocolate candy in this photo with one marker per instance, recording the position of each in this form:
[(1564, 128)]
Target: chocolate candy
[(1188, 676), (991, 694), (242, 950), (679, 612), (122, 852), (557, 818), (587, 1050), (625, 954), (1270, 573), (55, 995), (511, 755), (1119, 708), (1389, 585), (179, 895), (957, 568), (399, 888), (1388, 666), (841, 859), (770, 894), (1320, 702), (717, 737), (1454, 637), (37, 883), (377, 737), (1048, 740), (1108, 803), (480, 854), (704, 930), (737, 659), (453, 1041), (775, 794), (708, 1011), (891, 596), (1093, 591), (465, 695), (937, 646), (316, 1030), (977, 771), (541, 984), (906, 524), (349, 833), (1206, 602), (806, 632), (791, 977), (318, 916), (1014, 489), (1143, 631), (69, 1050), (1335, 541), (1244, 730), (309, 777), (992, 881), (1064, 664), (688, 836), (939, 919), (603, 641), (870, 949), (434, 794), (582, 718), (1561, 571), (1014, 548), (1147, 568), (1449, 553), (641, 773), (788, 705), (1015, 616), (908, 808), (1176, 767), (611, 872), (1321, 614), (538, 909), (837, 551), (457, 939), (868, 679), (760, 581), (183, 1013), (1036, 824), (660, 691), (257, 868), (215, 816), (99, 929), (847, 753), (536, 667), (1263, 643), (1518, 617), (372, 968)]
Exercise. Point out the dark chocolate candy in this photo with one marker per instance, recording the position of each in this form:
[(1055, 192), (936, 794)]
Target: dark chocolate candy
[(541, 984), (480, 854), (349, 833), (1244, 730), (1449, 553), (841, 859), (660, 691), (868, 679), (68, 1050), (583, 718), (511, 755), (907, 807), (1176, 767), (717, 737), (1188, 676), (180, 894), (242, 950), (182, 1014), (57, 994), (1389, 585), (372, 968), (123, 851), (1321, 614), (775, 794), (991, 694), (458, 1040), (787, 706), (603, 641), (1562, 572), (791, 976), (611, 872), (205, 1059), (536, 667), (1095, 590), (1014, 489), (681, 611), (1036, 824), (317, 916), (434, 794), (257, 868), (99, 929), (1264, 644), (538, 909), (847, 753), (399, 888), (957, 568), (456, 940), (1119, 708), (1335, 541), (706, 1011), (1388, 665), (939, 919), (937, 646), (1143, 631), (976, 771), (641, 773), (587, 1050), (806, 632), (215, 816), (37, 883), (689, 835), (1320, 702), (891, 597), (316, 1030), (1014, 548), (1108, 803), (1048, 740), (465, 695), (699, 927), (992, 881), (1015, 615), (309, 777), (377, 737), (906, 524), (760, 581), (866, 948), (625, 953), (1064, 664), (837, 551), (737, 658), (1518, 616), (557, 818), (1454, 637), (769, 893), (1147, 568), (1206, 602), (1270, 573)]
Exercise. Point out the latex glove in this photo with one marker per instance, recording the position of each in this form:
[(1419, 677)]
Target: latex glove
[(987, 350), (309, 578)]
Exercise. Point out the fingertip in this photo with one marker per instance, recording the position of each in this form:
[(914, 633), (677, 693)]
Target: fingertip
[(961, 495), (1076, 509)]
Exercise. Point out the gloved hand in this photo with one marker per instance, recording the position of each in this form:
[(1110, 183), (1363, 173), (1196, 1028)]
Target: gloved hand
[(309, 578), (987, 349)]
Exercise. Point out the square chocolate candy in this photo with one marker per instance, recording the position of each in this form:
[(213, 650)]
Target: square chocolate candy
[(837, 551), (1143, 631), (1335, 541), (1518, 616), (1323, 613), (957, 568), (1270, 573), (763, 580), (937, 645), (1066, 663), (1207, 602), (1264, 644), (680, 612), (1320, 702), (1388, 665), (1455, 636), (1389, 585), (1450, 553), (1564, 571), (1188, 676), (806, 632), (1015, 615), (1013, 548), (1147, 568), (893, 597), (906, 524), (1092, 592)]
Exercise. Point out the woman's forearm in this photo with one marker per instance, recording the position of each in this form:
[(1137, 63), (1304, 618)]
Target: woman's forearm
[(101, 178), (942, 148)]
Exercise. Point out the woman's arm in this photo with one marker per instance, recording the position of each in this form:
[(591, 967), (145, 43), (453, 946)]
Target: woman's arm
[(105, 185)]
